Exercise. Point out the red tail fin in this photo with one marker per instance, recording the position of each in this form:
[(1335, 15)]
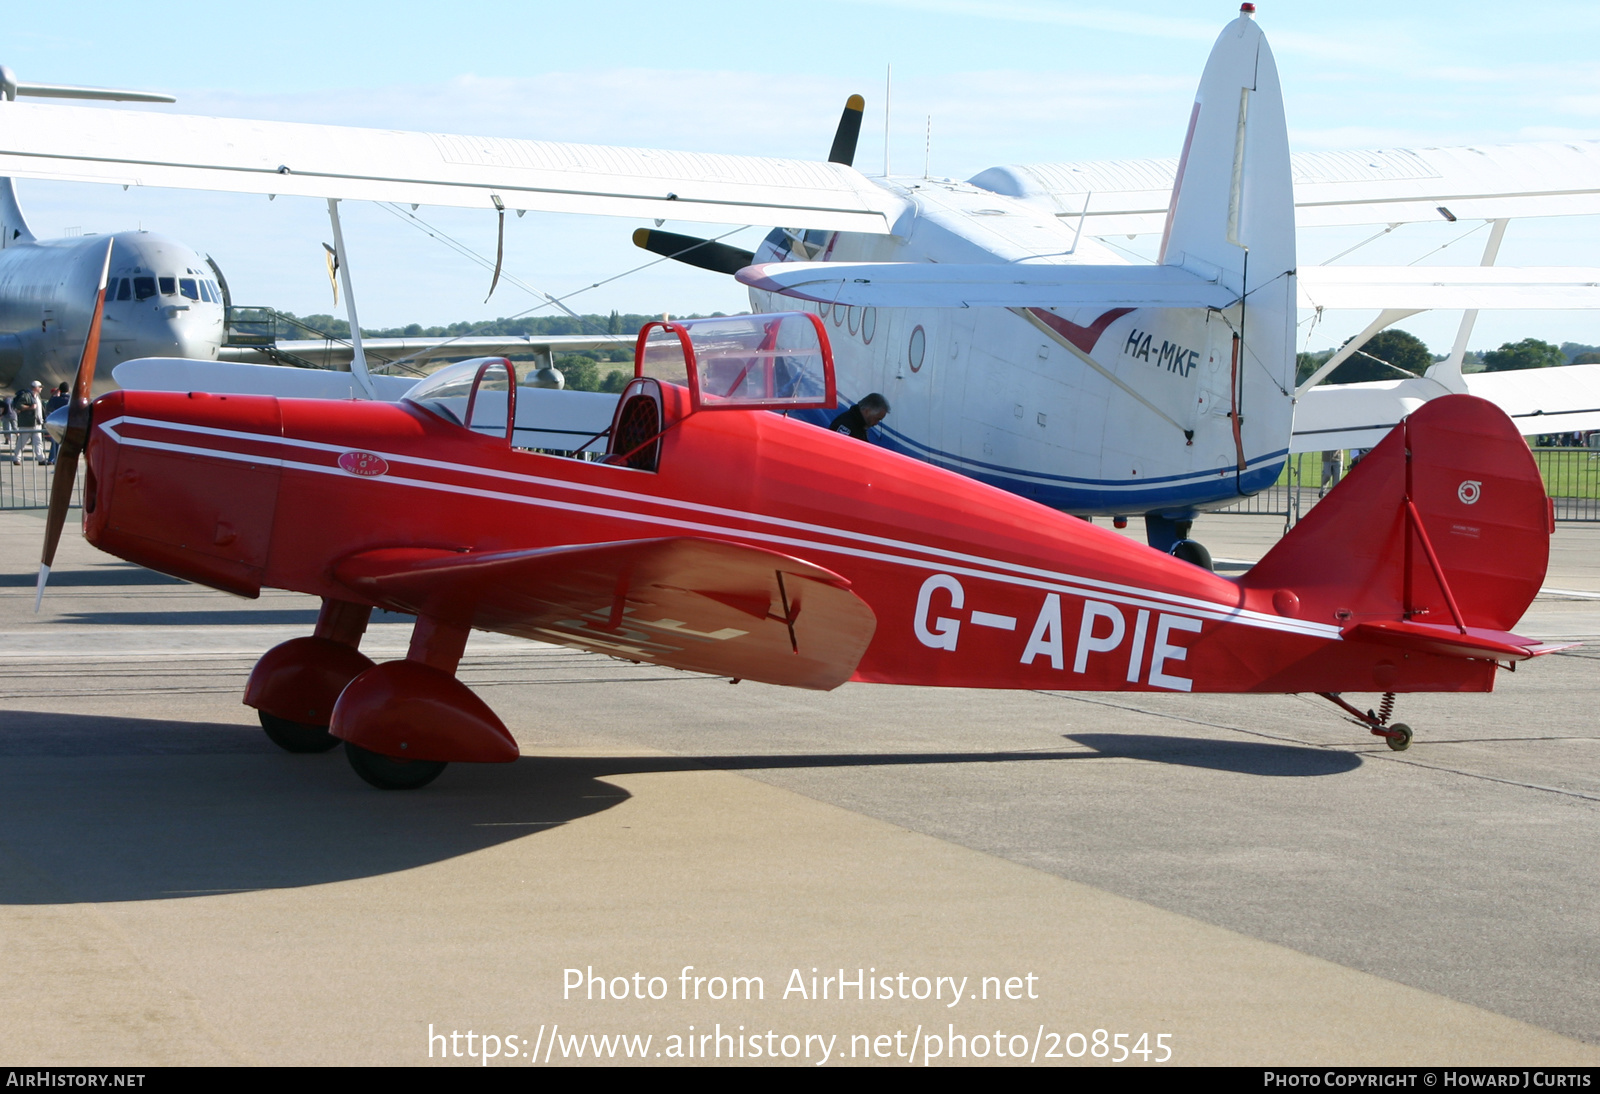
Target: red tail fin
[(1443, 528)]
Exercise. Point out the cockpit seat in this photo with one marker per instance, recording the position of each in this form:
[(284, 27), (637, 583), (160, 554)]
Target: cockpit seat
[(636, 429)]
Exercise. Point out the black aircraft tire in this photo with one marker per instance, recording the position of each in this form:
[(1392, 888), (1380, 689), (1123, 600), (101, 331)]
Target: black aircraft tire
[(297, 736), (1192, 551), (387, 773)]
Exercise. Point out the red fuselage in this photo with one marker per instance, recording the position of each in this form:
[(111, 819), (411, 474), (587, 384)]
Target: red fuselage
[(970, 586)]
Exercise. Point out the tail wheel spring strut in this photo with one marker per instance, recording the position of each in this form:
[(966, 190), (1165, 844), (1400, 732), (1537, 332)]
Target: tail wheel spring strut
[(1396, 736)]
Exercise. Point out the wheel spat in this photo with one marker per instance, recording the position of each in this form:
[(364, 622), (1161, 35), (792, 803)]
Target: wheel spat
[(76, 438)]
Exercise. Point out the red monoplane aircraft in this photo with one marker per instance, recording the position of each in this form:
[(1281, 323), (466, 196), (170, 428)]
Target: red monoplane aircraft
[(718, 537)]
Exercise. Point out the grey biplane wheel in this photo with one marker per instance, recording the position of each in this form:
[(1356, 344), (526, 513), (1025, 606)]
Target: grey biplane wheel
[(1402, 742), (296, 736), (387, 773)]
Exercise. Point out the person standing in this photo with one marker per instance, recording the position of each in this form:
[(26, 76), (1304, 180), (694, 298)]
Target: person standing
[(8, 423), (27, 405), (58, 399), (1332, 470)]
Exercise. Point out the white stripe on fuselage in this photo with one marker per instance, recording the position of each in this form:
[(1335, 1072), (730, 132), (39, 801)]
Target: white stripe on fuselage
[(968, 565)]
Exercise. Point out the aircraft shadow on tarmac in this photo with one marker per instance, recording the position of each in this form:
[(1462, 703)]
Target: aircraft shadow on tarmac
[(1241, 757), (306, 617), (106, 808), (98, 577)]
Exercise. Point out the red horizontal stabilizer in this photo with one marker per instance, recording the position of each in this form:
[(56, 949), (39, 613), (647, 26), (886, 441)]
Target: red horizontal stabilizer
[(1477, 642), (727, 609)]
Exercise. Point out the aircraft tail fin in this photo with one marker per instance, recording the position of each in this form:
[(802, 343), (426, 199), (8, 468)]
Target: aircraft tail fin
[(1233, 196), (13, 227), (1436, 541)]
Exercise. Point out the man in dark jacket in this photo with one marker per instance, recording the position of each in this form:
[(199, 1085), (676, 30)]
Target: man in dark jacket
[(28, 405), (58, 399), (861, 417)]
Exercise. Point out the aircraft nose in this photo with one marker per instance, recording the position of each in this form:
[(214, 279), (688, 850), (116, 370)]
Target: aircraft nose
[(197, 336), (56, 424)]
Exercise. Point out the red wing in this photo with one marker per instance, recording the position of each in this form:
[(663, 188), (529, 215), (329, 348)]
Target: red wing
[(721, 608)]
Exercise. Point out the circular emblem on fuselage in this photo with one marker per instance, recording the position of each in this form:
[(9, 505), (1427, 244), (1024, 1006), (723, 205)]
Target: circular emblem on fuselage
[(366, 464), (1469, 492)]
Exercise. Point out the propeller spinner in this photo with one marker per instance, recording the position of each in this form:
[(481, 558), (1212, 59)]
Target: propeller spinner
[(76, 437)]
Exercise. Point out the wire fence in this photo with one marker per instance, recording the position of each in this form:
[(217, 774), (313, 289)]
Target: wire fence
[(1571, 478), (27, 470)]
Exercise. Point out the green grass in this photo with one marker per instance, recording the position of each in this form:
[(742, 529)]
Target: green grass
[(1568, 472)]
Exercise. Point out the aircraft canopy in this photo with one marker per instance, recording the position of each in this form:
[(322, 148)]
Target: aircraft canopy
[(742, 362)]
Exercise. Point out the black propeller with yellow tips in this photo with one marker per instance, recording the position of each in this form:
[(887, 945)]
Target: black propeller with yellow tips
[(703, 253), (707, 254), (848, 133), (75, 438)]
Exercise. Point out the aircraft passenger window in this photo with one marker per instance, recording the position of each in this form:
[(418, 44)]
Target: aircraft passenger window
[(852, 318), (144, 287), (869, 324), (169, 286), (916, 348), (124, 289), (189, 288)]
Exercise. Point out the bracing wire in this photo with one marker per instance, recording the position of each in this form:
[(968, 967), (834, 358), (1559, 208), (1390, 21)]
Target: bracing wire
[(411, 218)]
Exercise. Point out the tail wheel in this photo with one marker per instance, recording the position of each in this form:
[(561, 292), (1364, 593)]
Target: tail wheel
[(1401, 739), (388, 773), (297, 736)]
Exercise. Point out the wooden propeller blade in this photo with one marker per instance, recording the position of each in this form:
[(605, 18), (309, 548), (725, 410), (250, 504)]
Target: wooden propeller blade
[(76, 437)]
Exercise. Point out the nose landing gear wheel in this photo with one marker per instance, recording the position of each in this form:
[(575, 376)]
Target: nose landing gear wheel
[(296, 736), (387, 773), (1402, 739)]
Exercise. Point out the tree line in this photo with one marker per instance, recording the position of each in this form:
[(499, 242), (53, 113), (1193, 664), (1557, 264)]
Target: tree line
[(615, 323), (584, 370), (1394, 354)]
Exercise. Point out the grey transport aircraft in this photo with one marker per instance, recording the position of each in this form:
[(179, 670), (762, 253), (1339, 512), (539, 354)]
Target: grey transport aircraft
[(163, 298)]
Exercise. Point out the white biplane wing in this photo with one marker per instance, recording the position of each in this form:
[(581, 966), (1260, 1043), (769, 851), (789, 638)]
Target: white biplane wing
[(146, 148), (1539, 400), (993, 285), (1423, 288), (1384, 186), (1052, 285)]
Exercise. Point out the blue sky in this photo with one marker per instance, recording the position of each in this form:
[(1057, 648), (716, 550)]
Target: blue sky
[(1009, 81)]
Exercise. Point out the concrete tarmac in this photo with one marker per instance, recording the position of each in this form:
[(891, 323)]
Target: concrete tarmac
[(1246, 880)]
